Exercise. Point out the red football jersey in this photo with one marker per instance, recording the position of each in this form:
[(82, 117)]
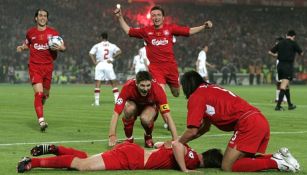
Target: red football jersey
[(221, 106), (37, 41), (156, 96), (164, 158), (159, 42)]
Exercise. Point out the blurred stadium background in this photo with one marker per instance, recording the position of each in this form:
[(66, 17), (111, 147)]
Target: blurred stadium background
[(244, 30)]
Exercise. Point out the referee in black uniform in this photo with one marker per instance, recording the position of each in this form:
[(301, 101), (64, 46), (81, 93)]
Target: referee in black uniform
[(285, 52)]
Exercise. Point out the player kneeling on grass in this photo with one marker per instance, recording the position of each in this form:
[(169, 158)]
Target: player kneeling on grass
[(141, 97), (210, 104), (124, 156)]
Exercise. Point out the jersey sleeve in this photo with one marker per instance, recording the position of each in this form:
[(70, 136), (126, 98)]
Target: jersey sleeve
[(274, 49), (162, 100), (137, 32), (191, 159), (201, 55), (27, 40), (93, 50), (196, 110), (134, 59), (298, 49), (121, 100), (180, 30)]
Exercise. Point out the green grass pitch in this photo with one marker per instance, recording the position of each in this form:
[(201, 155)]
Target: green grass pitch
[(74, 122)]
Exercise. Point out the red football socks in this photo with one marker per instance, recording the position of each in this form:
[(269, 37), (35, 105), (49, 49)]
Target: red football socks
[(53, 162), (254, 164), (149, 128), (128, 126), (71, 151), (38, 105)]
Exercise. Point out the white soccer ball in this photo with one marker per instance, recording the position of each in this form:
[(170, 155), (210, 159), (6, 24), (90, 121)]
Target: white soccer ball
[(55, 40)]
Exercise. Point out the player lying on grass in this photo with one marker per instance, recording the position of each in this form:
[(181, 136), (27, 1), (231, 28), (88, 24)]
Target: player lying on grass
[(124, 156)]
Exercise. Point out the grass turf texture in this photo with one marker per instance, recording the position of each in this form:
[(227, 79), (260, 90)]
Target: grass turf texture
[(74, 122)]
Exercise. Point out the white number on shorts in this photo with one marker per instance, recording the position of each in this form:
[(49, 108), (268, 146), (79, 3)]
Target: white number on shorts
[(233, 138)]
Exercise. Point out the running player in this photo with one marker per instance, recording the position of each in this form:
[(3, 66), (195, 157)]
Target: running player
[(41, 61)]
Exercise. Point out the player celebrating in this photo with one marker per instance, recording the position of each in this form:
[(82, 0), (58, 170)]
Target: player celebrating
[(125, 156), (210, 104), (159, 45), (141, 97), (41, 61), (102, 55)]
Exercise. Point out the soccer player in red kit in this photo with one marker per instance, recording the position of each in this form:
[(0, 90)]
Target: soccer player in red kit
[(210, 104), (159, 45), (124, 156), (41, 61), (141, 97)]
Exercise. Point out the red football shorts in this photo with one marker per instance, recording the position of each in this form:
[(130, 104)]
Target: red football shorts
[(41, 73), (124, 156), (140, 109), (165, 74), (252, 134)]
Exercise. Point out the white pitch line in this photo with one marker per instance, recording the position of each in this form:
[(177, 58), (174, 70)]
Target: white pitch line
[(159, 137)]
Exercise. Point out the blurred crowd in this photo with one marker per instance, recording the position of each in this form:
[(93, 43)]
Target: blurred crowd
[(241, 36)]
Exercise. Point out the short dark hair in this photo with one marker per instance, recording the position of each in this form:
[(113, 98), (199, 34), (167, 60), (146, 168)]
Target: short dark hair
[(190, 82), (157, 7), (291, 33), (212, 158), (38, 10), (104, 35), (142, 76)]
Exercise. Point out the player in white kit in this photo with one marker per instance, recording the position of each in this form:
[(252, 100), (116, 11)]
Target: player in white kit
[(201, 63), (140, 61), (102, 55)]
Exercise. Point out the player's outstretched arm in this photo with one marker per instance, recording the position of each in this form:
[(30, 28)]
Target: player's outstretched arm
[(122, 22), (206, 25), (179, 151), (112, 130), (188, 135), (171, 124)]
